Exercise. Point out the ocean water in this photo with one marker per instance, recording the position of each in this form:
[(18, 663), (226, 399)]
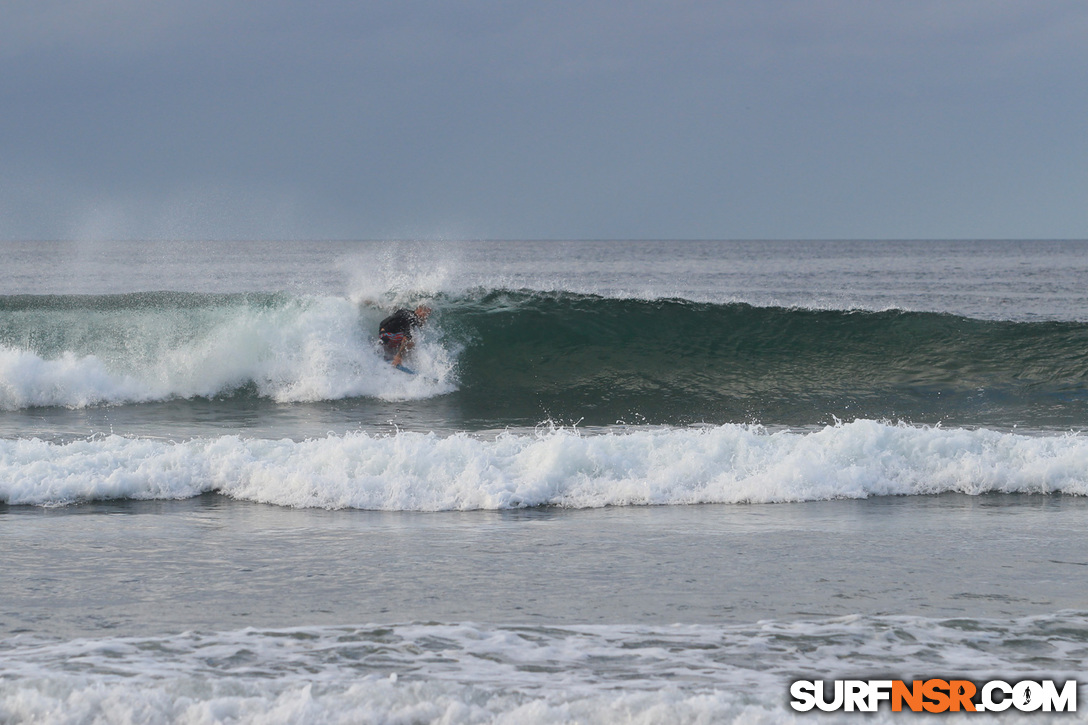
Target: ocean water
[(646, 482)]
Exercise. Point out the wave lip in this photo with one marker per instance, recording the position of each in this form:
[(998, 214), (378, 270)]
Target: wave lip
[(658, 466)]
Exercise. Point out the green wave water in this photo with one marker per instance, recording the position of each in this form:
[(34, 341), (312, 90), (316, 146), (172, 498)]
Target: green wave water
[(674, 361)]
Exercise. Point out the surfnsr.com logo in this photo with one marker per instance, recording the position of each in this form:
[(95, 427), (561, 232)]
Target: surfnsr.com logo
[(934, 696)]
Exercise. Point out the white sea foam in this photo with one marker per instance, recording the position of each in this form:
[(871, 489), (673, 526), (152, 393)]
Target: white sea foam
[(472, 673), (426, 472), (307, 349)]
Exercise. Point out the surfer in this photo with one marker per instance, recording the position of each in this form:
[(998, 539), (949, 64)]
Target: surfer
[(395, 332)]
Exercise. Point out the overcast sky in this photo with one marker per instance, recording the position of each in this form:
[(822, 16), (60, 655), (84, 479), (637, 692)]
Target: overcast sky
[(404, 119)]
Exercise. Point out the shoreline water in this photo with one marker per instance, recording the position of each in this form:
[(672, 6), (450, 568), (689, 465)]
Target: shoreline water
[(128, 567)]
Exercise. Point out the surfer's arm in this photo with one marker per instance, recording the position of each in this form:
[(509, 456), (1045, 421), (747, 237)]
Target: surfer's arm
[(401, 349)]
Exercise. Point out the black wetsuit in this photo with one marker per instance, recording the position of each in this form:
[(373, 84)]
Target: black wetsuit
[(397, 328)]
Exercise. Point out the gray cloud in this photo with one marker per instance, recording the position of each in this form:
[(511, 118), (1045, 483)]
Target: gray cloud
[(574, 120)]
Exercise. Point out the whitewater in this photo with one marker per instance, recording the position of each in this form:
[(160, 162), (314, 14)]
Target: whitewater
[(631, 481), (139, 348), (468, 673), (425, 472)]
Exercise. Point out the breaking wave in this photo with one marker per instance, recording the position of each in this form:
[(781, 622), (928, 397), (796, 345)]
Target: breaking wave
[(410, 471), (517, 357)]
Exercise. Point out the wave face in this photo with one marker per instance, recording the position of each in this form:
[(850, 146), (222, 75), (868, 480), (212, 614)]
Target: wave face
[(660, 466), (672, 361), (516, 358)]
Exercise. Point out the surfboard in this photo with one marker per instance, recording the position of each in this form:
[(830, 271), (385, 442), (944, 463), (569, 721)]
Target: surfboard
[(403, 369)]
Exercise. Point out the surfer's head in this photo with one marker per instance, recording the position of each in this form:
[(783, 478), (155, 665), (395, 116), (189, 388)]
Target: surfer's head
[(422, 312)]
